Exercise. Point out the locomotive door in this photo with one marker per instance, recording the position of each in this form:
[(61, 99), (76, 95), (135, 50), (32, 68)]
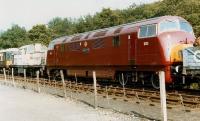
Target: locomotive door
[(56, 61), (51, 57), (147, 49), (132, 39)]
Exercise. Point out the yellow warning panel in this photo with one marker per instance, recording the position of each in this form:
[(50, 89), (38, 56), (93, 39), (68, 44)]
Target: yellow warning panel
[(176, 52)]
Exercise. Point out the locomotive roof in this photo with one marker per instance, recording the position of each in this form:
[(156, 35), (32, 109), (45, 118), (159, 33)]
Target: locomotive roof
[(111, 31)]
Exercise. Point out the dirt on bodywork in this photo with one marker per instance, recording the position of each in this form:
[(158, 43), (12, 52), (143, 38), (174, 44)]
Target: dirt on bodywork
[(197, 42)]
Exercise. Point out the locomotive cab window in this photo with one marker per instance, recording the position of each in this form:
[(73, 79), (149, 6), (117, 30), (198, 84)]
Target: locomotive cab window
[(116, 41), (51, 46), (148, 31), (168, 25), (185, 26)]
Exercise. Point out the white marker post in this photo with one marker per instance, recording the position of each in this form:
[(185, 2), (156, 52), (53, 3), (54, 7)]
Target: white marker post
[(5, 78), (13, 79), (63, 82), (4, 72), (123, 84), (163, 95), (24, 77), (95, 89), (76, 78), (38, 83)]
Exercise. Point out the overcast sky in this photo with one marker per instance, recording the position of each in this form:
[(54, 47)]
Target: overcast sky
[(27, 13)]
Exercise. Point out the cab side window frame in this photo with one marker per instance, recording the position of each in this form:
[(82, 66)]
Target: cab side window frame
[(62, 47), (116, 41), (147, 31)]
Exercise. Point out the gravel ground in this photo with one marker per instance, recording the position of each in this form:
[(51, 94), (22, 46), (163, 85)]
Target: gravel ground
[(25, 105)]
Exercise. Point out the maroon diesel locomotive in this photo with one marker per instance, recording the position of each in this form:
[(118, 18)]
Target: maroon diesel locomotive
[(136, 51)]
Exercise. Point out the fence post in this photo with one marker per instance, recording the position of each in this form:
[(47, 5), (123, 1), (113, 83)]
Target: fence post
[(48, 73), (4, 72), (63, 82), (95, 89), (70, 86), (13, 79), (76, 78), (24, 77), (123, 84), (38, 83), (163, 95)]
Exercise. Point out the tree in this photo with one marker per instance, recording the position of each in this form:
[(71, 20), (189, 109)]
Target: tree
[(107, 18), (40, 34), (14, 37), (61, 27), (17, 36)]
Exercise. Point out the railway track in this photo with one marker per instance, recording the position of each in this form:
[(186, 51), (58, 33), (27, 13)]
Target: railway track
[(117, 92)]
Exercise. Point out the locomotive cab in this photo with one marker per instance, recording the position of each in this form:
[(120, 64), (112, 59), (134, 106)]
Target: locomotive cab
[(160, 45), (175, 35)]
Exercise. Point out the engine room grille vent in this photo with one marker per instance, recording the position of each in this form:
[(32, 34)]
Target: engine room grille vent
[(99, 43), (78, 37), (86, 37), (65, 40), (118, 30), (99, 34), (74, 46)]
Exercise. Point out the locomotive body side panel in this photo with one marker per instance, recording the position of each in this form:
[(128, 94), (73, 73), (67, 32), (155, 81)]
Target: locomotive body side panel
[(149, 52), (87, 55)]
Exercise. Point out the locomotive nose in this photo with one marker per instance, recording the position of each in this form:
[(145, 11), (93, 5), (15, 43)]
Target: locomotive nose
[(176, 52)]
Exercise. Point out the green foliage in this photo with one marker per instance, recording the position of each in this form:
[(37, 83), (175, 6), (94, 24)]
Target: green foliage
[(17, 36), (84, 24), (40, 34), (61, 27), (107, 18), (14, 37)]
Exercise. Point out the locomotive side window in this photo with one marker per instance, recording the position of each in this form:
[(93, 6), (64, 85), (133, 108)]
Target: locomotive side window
[(147, 31), (151, 30), (51, 46), (74, 46), (62, 47), (116, 41)]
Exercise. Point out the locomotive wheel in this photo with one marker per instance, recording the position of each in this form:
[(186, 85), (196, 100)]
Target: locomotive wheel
[(155, 81), (56, 76)]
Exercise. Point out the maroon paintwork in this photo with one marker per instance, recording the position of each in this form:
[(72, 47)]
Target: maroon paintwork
[(132, 54)]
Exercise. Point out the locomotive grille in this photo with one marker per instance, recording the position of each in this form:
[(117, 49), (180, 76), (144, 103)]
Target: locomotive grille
[(101, 33), (75, 38), (99, 43), (118, 30)]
